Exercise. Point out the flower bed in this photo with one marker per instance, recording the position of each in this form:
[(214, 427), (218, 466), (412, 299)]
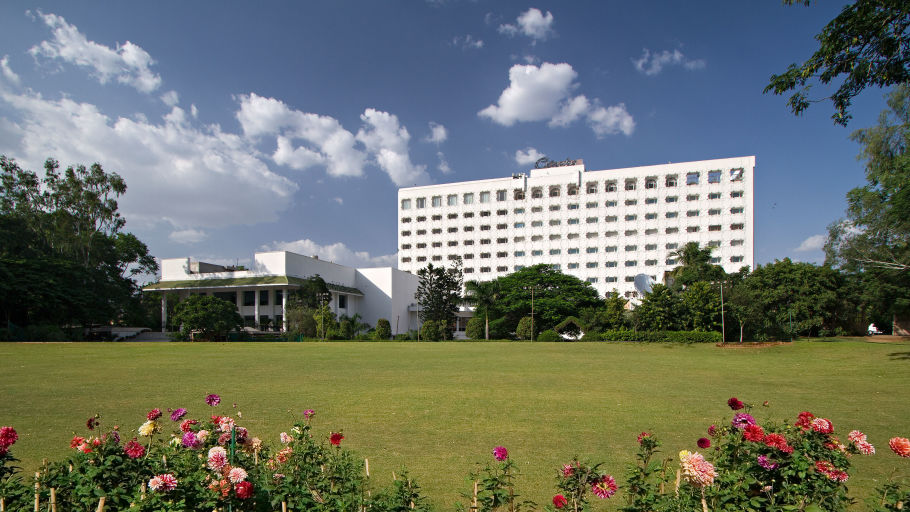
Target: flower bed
[(173, 461)]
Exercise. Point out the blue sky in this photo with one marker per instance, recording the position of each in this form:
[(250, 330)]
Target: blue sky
[(245, 126)]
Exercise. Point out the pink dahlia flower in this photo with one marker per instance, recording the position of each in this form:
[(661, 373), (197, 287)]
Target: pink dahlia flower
[(213, 399), (900, 446), (217, 458), (605, 487), (822, 425), (163, 483), (500, 453), (696, 470), (237, 475), (856, 436)]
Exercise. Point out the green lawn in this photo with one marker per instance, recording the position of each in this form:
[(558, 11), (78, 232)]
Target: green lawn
[(438, 408)]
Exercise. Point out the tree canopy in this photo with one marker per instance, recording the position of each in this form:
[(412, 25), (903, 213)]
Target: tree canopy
[(867, 44), (439, 295), (210, 317)]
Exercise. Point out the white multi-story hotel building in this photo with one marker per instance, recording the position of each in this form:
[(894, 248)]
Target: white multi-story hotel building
[(604, 227)]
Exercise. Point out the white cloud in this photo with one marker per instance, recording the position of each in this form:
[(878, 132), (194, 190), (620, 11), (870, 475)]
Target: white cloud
[(177, 173), (545, 94), (8, 74), (443, 163), (128, 63), (171, 99), (438, 133), (527, 156), (467, 42), (187, 236), (532, 23), (653, 63), (813, 243), (388, 142), (337, 253), (324, 140), (338, 200)]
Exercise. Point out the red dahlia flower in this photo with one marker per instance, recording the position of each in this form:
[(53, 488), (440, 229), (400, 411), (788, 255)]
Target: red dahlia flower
[(704, 442), (900, 446), (244, 490), (560, 501), (735, 403), (500, 453), (133, 449), (336, 438), (754, 433), (805, 419)]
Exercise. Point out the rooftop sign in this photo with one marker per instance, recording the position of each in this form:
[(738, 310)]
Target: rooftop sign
[(545, 163)]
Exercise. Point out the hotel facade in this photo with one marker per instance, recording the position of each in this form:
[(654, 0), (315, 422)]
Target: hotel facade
[(606, 227)]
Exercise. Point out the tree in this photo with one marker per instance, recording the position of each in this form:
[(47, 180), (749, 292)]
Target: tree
[(611, 316), (873, 241), (475, 329), (433, 330), (64, 258), (659, 310), (694, 266), (700, 307), (439, 295), (483, 296), (383, 329), (525, 330), (210, 316), (867, 44)]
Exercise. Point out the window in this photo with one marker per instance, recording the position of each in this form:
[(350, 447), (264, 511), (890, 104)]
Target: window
[(502, 212), (421, 202), (592, 279), (631, 279), (651, 182), (405, 246), (406, 260), (572, 206), (736, 243), (518, 211), (452, 216), (591, 187), (555, 237), (405, 219), (485, 213), (554, 190), (452, 199), (608, 218), (650, 263), (501, 254), (554, 252), (554, 207), (714, 227), (405, 233), (631, 232), (518, 267), (536, 193), (692, 213), (610, 248), (610, 186), (437, 231), (468, 228), (437, 201), (572, 236), (484, 197), (714, 243), (536, 209), (518, 194), (631, 202), (453, 243), (670, 180), (555, 222), (500, 195), (536, 223), (484, 269), (610, 234), (573, 266), (631, 183), (651, 231), (485, 241), (736, 193), (502, 268), (692, 197), (468, 198), (436, 217), (593, 220), (651, 200), (670, 231), (502, 240), (591, 205), (736, 259), (437, 244), (519, 224), (536, 238), (421, 218), (631, 247), (691, 178), (738, 209), (713, 176), (650, 216), (453, 230), (591, 250), (518, 239), (469, 270), (610, 204), (437, 258), (468, 242), (610, 279), (572, 221), (651, 247), (249, 298), (631, 263), (692, 229), (502, 226), (714, 195), (591, 264), (519, 254), (591, 234), (671, 246), (737, 226), (736, 174), (671, 199), (714, 211), (405, 204), (469, 256), (421, 245), (610, 264), (573, 250), (452, 257), (484, 255), (537, 252), (671, 261), (468, 215), (671, 215), (631, 217)]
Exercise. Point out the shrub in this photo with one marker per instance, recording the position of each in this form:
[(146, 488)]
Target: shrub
[(500, 330), (661, 336), (476, 329), (383, 329), (432, 330), (592, 336), (44, 333), (523, 331), (402, 337), (549, 335)]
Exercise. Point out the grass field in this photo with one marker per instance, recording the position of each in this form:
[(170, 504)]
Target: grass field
[(438, 408)]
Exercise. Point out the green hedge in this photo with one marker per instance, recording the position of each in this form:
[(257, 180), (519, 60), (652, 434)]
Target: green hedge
[(655, 336)]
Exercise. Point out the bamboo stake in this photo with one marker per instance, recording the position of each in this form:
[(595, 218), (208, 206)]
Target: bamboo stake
[(474, 499), (53, 500), (284, 506), (704, 504), (37, 487), (409, 491), (2, 505), (393, 476), (366, 463), (142, 492), (100, 505), (677, 481)]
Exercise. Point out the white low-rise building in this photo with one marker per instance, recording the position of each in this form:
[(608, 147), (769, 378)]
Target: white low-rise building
[(605, 227), (259, 291)]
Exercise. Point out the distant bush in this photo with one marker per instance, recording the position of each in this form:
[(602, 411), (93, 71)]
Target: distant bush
[(402, 337), (659, 336), (44, 333), (475, 330), (383, 329), (549, 335), (432, 330), (524, 330)]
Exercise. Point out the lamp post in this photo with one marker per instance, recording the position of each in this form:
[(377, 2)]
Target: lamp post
[(532, 288), (325, 296), (723, 325)]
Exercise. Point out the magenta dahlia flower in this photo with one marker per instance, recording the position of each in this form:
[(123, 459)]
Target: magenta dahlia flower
[(605, 487), (500, 453), (213, 399)]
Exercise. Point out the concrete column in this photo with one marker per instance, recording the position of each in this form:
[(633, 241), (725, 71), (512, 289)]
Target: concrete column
[(163, 311), (256, 308), (284, 310)]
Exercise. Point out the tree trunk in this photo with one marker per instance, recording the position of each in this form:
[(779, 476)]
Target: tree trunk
[(487, 325)]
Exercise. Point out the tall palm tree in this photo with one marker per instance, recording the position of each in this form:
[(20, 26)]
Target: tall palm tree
[(693, 264), (483, 296)]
